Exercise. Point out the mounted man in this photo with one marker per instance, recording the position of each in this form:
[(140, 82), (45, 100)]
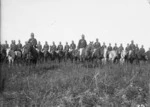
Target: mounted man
[(18, 52), (72, 46), (53, 50), (11, 52), (81, 46), (115, 47), (109, 47), (97, 44), (148, 55), (13, 46), (33, 54), (112, 55), (127, 48), (45, 50), (141, 54), (33, 41), (103, 46), (72, 51), (132, 54), (40, 54), (66, 51), (6, 45), (97, 50), (60, 52), (19, 46)]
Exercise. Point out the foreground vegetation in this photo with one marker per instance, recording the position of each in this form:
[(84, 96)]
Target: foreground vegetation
[(75, 85)]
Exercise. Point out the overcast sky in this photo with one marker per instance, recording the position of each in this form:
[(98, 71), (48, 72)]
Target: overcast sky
[(112, 21)]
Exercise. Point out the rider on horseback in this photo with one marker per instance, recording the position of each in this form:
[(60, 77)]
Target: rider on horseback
[(132, 46), (97, 44), (60, 47), (19, 46), (46, 47), (6, 46), (82, 42), (32, 41), (53, 48), (39, 46), (13, 46), (109, 47), (66, 49), (72, 46)]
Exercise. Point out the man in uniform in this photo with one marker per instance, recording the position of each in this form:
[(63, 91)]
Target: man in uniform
[(109, 47), (25, 45), (60, 47), (103, 46), (53, 48), (148, 55), (132, 46), (137, 49), (142, 51), (39, 46), (82, 42), (72, 46), (19, 46), (115, 47), (127, 47), (46, 47), (32, 40), (97, 44), (6, 46), (13, 46), (121, 48), (66, 49)]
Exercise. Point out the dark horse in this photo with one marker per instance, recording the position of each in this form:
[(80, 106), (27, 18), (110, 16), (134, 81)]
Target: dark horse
[(2, 80), (2, 55), (32, 55), (60, 55)]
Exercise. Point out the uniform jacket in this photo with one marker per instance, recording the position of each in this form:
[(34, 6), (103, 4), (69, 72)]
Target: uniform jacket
[(97, 45), (82, 43), (73, 46), (66, 48), (33, 41), (46, 47)]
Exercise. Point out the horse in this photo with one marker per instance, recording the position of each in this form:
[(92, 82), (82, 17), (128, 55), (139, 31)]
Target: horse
[(18, 56), (75, 55), (85, 54), (131, 56), (53, 55), (10, 56), (104, 54), (60, 55), (112, 56), (46, 55), (97, 55), (3, 54), (40, 56), (32, 55), (123, 56), (147, 55), (141, 57)]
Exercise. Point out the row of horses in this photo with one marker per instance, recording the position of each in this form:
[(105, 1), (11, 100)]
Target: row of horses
[(32, 55)]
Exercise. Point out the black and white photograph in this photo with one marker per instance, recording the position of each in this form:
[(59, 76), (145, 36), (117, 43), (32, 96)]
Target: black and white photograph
[(74, 53)]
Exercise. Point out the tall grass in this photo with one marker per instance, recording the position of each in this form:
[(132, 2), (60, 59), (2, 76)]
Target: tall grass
[(73, 85)]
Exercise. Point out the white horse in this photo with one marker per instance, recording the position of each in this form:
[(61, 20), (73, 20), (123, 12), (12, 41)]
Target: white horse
[(112, 55), (10, 56), (104, 56), (123, 54)]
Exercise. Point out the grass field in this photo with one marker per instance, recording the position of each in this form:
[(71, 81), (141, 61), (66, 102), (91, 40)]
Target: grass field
[(75, 85)]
